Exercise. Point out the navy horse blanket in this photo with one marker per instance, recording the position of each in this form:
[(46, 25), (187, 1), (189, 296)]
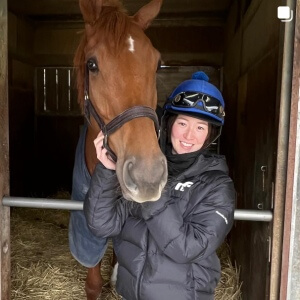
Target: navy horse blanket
[(86, 248)]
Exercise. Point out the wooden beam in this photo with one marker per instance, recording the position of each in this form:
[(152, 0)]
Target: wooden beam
[(168, 21), (4, 160), (290, 275)]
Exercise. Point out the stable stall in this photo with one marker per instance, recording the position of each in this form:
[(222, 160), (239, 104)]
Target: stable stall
[(249, 48)]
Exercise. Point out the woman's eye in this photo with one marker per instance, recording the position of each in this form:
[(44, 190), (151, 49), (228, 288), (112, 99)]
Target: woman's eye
[(92, 65)]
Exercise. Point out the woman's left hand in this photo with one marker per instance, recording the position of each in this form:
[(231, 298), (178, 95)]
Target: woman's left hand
[(102, 154)]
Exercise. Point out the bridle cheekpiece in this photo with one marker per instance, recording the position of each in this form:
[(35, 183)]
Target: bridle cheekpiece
[(127, 115)]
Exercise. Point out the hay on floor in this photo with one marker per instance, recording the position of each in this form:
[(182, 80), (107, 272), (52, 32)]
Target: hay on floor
[(43, 268)]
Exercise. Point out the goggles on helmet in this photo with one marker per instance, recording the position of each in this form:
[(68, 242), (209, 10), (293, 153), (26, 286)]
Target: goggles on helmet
[(201, 101)]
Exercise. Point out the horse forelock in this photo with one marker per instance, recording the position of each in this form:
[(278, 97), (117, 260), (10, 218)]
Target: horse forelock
[(114, 25), (113, 22)]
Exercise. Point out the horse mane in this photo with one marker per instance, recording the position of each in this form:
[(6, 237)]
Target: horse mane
[(114, 23)]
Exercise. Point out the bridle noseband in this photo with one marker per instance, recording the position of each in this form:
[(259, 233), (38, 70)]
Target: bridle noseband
[(124, 117)]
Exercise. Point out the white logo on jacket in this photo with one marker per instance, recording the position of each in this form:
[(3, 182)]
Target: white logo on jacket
[(180, 186)]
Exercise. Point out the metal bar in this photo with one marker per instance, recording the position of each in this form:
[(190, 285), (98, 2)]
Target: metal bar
[(42, 203), (239, 214), (253, 215)]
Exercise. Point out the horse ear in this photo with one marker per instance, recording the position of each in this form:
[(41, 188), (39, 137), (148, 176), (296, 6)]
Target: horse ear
[(90, 10), (147, 13)]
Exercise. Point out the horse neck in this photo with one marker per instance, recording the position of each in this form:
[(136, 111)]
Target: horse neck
[(90, 151)]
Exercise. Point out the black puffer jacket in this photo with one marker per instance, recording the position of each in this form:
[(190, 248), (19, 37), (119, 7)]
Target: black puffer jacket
[(166, 249)]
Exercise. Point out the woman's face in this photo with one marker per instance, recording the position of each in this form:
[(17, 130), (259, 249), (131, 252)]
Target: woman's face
[(188, 134)]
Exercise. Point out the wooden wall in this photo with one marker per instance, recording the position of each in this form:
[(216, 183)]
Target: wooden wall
[(21, 103), (195, 44), (5, 273), (251, 72)]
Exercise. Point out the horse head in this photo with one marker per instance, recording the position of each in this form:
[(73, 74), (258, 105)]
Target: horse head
[(116, 64)]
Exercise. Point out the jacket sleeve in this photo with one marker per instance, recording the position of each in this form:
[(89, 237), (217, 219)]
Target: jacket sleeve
[(104, 207), (202, 231)]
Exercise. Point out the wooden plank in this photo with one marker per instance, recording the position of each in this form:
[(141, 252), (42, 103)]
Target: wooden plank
[(64, 91), (254, 173), (51, 92), (56, 92), (290, 275), (4, 160)]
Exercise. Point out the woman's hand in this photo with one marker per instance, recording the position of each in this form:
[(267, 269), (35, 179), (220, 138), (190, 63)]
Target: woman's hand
[(102, 154)]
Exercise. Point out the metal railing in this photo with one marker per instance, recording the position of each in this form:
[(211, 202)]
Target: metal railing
[(239, 214)]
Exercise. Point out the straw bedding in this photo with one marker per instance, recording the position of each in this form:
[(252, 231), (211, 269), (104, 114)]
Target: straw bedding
[(43, 268)]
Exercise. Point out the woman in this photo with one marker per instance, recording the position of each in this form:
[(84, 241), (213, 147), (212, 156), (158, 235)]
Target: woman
[(167, 249)]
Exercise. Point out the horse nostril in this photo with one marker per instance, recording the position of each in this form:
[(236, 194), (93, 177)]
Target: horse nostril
[(129, 166), (129, 178), (144, 180)]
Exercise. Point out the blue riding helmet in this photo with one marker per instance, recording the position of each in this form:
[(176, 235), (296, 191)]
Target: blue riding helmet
[(198, 98)]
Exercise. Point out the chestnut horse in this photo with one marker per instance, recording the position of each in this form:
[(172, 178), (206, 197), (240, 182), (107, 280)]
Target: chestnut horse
[(116, 81)]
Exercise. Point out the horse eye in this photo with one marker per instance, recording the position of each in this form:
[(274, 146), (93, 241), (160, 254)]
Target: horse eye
[(92, 65)]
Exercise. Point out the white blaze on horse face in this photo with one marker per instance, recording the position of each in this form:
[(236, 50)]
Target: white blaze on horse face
[(131, 44)]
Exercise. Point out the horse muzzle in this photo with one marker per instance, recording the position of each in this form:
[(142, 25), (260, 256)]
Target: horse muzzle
[(143, 181)]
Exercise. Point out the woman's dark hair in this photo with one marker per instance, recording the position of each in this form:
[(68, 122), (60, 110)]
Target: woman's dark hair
[(211, 136)]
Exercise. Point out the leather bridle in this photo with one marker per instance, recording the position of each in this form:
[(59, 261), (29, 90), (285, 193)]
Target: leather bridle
[(124, 117)]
